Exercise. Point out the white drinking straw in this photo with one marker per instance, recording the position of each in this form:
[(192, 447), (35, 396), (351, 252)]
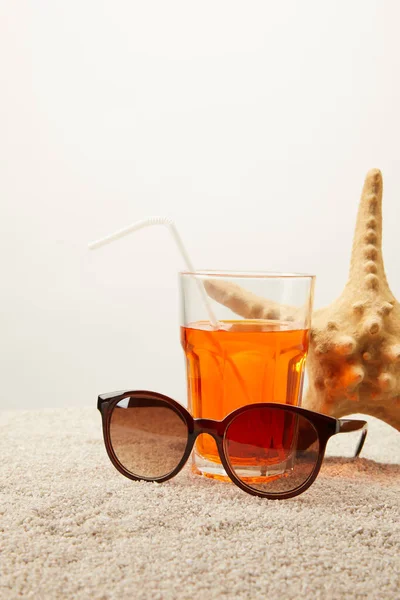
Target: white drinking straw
[(167, 222)]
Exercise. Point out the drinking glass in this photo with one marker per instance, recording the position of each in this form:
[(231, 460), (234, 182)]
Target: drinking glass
[(245, 338)]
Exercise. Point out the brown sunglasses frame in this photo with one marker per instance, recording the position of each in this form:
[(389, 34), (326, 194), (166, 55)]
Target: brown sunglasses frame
[(324, 425)]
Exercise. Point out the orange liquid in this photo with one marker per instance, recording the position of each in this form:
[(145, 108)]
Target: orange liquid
[(251, 361)]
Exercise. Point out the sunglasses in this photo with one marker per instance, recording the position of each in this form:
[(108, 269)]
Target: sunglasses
[(270, 450)]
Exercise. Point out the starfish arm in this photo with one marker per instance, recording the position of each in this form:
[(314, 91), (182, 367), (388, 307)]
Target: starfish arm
[(246, 304)]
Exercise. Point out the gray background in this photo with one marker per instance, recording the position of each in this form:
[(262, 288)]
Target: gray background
[(251, 124)]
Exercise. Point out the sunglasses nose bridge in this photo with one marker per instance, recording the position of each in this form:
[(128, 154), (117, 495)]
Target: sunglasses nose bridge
[(213, 428)]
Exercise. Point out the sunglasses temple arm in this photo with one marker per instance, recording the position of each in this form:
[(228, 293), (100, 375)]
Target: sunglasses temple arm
[(349, 425)]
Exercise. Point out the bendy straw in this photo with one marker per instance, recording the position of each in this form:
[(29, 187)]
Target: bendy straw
[(167, 222)]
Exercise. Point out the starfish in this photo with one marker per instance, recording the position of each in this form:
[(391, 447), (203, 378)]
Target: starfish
[(354, 353)]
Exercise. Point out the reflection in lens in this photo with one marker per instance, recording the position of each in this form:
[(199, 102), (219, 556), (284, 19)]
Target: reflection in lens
[(148, 437), (272, 450)]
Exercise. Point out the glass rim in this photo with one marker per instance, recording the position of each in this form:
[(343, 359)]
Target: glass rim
[(245, 274)]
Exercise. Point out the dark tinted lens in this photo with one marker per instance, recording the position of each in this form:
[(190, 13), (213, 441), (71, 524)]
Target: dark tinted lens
[(148, 437), (272, 450)]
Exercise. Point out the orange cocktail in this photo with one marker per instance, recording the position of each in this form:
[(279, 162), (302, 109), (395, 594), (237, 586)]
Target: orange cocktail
[(245, 362)]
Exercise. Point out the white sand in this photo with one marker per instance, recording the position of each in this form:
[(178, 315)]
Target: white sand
[(72, 527)]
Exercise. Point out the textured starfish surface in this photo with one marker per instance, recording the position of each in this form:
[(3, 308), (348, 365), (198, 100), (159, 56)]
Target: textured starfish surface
[(354, 355)]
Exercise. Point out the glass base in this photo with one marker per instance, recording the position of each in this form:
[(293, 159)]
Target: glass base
[(207, 468), (248, 474)]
